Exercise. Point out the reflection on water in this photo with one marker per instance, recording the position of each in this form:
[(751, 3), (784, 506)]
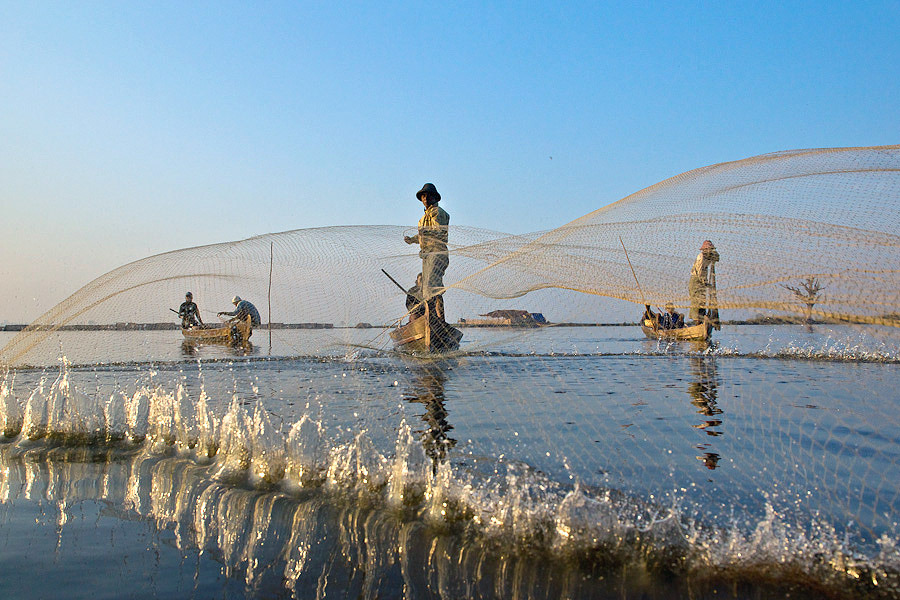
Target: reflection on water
[(191, 348), (703, 390), (306, 544), (427, 388), (347, 473)]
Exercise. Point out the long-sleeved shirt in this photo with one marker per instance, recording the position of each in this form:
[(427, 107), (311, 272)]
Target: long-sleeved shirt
[(700, 270), (189, 314), (433, 229), (243, 309)]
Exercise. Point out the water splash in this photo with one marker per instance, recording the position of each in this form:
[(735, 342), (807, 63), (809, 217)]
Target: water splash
[(207, 465)]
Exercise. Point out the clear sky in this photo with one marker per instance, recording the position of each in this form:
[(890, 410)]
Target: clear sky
[(133, 128)]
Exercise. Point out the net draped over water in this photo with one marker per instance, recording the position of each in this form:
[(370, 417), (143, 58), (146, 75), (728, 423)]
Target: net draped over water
[(759, 449)]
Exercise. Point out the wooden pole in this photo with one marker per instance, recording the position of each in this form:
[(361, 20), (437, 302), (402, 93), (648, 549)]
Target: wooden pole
[(402, 289), (633, 273), (427, 318), (271, 263), (712, 300)]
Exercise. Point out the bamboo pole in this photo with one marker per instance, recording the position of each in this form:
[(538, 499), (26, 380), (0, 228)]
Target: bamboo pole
[(271, 263), (640, 291)]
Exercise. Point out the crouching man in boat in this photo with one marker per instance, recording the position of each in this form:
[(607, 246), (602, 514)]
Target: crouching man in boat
[(671, 319), (666, 320), (189, 313), (702, 285), (414, 305), (241, 310), (432, 240)]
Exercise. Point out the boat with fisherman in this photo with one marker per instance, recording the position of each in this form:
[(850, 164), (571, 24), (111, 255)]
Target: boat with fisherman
[(423, 335), (669, 325), (426, 332), (653, 329), (232, 333)]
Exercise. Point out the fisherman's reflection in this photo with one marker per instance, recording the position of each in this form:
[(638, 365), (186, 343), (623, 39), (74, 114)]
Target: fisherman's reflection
[(245, 349), (703, 390), (427, 388), (189, 348)]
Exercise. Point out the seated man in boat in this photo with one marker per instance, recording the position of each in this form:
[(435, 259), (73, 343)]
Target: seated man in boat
[(432, 239), (189, 313), (241, 310), (414, 304), (671, 319)]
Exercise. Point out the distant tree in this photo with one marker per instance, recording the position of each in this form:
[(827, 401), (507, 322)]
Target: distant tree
[(808, 292)]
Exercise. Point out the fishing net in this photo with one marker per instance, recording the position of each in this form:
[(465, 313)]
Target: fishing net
[(774, 444), (776, 220)]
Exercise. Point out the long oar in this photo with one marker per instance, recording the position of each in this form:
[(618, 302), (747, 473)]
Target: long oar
[(632, 272), (712, 300), (641, 291), (402, 289), (427, 314)]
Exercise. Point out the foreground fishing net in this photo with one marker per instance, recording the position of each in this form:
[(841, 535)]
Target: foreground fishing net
[(757, 452)]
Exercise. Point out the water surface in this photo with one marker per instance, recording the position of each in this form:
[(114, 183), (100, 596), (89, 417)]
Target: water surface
[(575, 462)]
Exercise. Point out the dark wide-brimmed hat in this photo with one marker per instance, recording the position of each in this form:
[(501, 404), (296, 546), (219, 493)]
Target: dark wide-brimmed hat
[(429, 189)]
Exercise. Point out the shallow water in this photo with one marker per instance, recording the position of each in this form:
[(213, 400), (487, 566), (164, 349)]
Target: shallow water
[(118, 347), (576, 462)]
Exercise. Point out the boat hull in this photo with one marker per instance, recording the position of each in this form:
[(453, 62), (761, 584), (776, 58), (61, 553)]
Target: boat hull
[(694, 333), (232, 334), (413, 338)]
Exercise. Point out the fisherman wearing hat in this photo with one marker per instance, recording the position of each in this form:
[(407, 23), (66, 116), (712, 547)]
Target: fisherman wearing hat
[(241, 310), (702, 284), (432, 240), (189, 313)]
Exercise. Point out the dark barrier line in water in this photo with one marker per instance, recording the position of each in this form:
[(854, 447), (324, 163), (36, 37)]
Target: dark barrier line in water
[(799, 355), (347, 540)]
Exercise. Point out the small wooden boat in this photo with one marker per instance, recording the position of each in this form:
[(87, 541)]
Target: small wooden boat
[(694, 333), (234, 334), (417, 337), (423, 334)]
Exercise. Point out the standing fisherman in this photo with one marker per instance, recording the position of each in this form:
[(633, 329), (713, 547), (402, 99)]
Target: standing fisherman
[(432, 240), (189, 313), (702, 285)]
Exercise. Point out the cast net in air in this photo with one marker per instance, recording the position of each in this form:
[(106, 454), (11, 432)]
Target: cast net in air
[(755, 449), (777, 220)]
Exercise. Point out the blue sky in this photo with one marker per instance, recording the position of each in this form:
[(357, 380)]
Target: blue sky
[(129, 129)]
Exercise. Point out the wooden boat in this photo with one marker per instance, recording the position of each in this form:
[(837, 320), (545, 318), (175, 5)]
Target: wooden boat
[(694, 333), (234, 334), (417, 337), (423, 335)]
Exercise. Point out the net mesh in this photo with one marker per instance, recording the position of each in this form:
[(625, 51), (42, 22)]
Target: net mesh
[(775, 220), (760, 447)]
